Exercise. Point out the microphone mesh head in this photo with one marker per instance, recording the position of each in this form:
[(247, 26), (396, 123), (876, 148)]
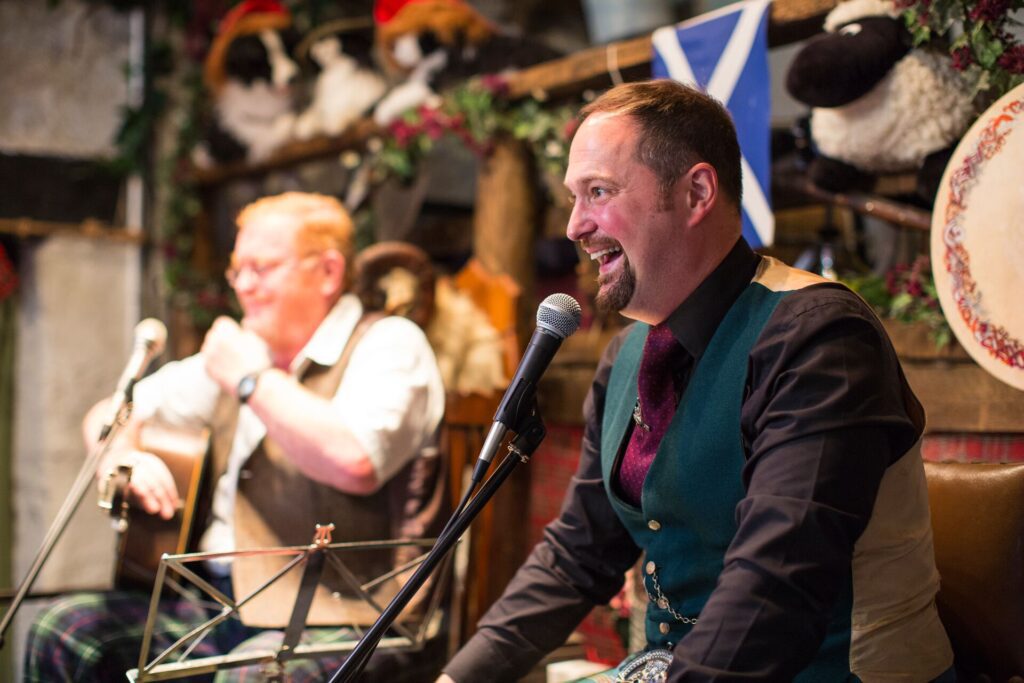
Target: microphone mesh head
[(153, 334), (560, 314)]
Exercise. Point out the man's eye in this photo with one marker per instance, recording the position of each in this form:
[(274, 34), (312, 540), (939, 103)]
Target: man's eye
[(598, 192)]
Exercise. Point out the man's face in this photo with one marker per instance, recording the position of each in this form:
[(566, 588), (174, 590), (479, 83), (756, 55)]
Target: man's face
[(281, 290), (619, 217)]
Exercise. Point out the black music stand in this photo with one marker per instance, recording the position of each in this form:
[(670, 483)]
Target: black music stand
[(174, 662), (530, 432)]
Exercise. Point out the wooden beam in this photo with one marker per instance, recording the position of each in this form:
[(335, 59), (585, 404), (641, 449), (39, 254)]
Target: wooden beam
[(92, 229), (891, 211), (790, 21)]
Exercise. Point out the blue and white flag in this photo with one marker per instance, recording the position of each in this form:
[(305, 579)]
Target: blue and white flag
[(725, 53)]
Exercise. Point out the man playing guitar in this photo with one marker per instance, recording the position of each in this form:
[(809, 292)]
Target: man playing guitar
[(317, 412)]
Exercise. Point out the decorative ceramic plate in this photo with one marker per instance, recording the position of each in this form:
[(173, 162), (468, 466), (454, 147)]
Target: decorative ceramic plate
[(978, 240)]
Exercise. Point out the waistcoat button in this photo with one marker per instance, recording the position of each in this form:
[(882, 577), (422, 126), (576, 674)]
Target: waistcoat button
[(649, 567), (654, 525)]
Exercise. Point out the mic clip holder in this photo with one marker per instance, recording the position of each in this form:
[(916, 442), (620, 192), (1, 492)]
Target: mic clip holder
[(121, 410)]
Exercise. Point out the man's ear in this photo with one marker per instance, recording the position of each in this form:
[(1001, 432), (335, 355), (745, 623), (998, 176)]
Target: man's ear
[(333, 265), (701, 190)]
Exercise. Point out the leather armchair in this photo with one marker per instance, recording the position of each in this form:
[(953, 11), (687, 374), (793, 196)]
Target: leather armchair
[(978, 522)]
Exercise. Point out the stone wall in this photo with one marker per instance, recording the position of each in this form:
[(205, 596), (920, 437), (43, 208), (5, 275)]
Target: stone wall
[(63, 76), (78, 297)]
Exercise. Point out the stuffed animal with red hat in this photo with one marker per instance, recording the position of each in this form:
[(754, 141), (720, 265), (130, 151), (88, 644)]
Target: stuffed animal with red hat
[(251, 78), (427, 46)]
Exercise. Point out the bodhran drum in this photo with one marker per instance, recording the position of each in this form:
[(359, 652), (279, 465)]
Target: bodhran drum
[(977, 240)]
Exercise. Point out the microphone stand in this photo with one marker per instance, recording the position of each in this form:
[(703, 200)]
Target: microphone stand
[(528, 437), (82, 483)]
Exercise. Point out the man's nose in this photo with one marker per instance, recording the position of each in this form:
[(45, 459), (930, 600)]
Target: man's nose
[(579, 225), (245, 281)]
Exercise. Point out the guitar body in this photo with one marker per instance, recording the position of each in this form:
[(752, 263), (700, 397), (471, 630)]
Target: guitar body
[(145, 538)]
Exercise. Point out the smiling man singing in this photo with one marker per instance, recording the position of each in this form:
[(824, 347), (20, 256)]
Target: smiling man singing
[(752, 435)]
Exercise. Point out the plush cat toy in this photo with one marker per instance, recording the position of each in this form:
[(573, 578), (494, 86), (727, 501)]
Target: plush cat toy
[(250, 78), (878, 105), (427, 46), (347, 85)]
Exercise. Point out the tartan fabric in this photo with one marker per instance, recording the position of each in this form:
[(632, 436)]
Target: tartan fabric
[(96, 637), (973, 448)]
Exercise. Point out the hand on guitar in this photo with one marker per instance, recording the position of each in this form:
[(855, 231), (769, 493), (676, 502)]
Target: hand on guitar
[(151, 487)]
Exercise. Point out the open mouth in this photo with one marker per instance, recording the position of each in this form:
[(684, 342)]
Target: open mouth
[(606, 257)]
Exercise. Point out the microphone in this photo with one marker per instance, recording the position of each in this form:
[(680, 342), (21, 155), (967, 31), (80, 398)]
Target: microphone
[(558, 316), (149, 339)]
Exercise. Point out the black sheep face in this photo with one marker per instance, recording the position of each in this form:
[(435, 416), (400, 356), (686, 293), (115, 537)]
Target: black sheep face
[(834, 69)]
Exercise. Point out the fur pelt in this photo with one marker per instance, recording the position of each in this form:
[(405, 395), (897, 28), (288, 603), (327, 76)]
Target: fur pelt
[(398, 279)]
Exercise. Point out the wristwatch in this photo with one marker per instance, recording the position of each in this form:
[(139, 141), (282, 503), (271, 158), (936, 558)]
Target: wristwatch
[(247, 385)]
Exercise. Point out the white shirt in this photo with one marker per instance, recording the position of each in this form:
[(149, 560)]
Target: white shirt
[(391, 399)]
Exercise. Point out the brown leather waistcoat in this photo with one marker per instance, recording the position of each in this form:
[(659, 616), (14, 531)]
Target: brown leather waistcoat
[(276, 505)]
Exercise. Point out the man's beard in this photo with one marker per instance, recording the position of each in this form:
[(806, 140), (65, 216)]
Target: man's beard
[(613, 296)]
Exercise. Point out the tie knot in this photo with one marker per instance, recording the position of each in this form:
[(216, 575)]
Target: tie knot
[(659, 347)]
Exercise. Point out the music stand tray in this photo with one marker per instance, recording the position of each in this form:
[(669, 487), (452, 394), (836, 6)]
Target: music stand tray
[(174, 662)]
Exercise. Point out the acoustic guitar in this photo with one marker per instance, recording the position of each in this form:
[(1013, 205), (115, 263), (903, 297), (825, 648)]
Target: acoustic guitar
[(143, 538)]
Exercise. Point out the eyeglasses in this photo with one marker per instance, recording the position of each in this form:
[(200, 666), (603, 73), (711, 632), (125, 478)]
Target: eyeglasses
[(260, 269)]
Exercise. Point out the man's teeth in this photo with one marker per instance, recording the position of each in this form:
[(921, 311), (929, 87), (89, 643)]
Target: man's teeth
[(603, 255)]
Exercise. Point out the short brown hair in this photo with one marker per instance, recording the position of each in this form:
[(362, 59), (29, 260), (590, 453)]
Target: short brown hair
[(679, 126), (325, 224)]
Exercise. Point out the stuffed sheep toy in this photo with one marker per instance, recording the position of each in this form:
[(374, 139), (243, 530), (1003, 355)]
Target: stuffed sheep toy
[(878, 104)]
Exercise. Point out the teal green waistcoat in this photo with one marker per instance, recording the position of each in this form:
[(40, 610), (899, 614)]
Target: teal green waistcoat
[(687, 516)]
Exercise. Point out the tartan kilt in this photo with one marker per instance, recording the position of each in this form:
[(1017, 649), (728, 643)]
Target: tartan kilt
[(96, 637)]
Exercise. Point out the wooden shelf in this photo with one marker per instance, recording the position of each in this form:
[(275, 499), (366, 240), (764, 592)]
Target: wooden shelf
[(91, 229), (958, 395), (790, 21), (353, 139)]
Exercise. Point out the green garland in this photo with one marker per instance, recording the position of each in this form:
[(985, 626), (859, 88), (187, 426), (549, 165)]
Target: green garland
[(906, 293), (979, 35), (477, 113)]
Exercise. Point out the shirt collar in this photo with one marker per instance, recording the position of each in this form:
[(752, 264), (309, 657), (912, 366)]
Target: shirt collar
[(695, 321), (329, 339)]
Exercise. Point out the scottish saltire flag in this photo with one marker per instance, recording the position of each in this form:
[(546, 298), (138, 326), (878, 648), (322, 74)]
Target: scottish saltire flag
[(725, 53)]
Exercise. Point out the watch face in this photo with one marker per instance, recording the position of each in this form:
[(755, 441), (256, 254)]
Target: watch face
[(246, 386)]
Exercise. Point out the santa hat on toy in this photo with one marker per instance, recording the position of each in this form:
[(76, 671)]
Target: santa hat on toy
[(452, 21), (246, 18)]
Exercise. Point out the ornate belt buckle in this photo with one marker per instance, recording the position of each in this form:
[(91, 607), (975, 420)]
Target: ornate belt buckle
[(647, 667)]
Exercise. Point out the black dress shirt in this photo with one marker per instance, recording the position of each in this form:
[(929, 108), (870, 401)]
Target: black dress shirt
[(826, 409)]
